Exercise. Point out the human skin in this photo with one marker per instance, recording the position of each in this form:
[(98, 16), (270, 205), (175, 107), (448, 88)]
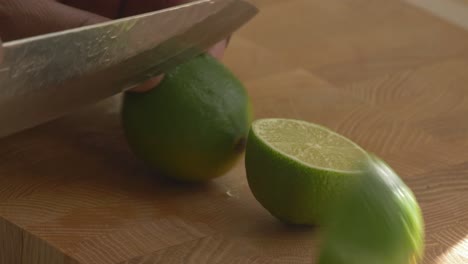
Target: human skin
[(26, 18)]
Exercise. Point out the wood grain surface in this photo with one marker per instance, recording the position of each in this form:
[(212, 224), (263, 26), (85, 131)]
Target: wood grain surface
[(390, 75)]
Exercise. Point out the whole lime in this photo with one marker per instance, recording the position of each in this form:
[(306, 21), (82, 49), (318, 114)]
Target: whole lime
[(194, 125)]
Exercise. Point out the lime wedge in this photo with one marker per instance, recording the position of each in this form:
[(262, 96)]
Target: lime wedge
[(377, 221), (296, 169)]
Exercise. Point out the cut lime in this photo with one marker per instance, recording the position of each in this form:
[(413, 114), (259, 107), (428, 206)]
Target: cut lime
[(377, 221), (296, 169)]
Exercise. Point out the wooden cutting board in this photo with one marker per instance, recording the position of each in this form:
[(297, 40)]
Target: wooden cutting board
[(389, 75)]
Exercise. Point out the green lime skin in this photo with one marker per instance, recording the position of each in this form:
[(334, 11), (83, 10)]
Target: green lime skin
[(378, 221), (292, 191), (193, 125)]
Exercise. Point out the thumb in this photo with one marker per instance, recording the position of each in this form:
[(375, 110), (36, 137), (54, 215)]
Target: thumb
[(25, 18)]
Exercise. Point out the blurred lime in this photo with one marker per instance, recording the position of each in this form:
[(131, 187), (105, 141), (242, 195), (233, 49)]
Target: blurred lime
[(296, 169), (377, 221), (194, 125)]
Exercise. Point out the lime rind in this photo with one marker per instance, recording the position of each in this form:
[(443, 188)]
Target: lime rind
[(377, 221), (369, 214), (292, 190), (194, 125)]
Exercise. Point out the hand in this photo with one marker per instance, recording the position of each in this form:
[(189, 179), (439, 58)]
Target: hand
[(25, 18)]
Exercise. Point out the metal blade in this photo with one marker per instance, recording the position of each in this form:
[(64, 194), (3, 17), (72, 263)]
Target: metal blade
[(45, 77)]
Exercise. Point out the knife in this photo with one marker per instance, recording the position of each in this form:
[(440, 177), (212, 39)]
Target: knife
[(45, 77)]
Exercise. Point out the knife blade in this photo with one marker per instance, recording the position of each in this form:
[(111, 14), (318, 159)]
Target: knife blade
[(45, 77)]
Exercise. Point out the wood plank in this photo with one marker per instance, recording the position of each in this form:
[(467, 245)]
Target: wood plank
[(350, 40), (253, 62), (453, 11), (437, 104)]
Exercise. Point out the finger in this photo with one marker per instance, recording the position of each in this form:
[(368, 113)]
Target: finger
[(121, 8), (217, 51), (148, 85), (141, 6), (135, 7), (105, 8), (25, 18)]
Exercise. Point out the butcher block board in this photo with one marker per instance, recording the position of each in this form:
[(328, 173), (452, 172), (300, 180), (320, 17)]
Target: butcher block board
[(390, 75)]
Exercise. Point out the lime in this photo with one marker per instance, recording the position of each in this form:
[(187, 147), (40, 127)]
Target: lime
[(193, 126), (377, 221), (296, 169)]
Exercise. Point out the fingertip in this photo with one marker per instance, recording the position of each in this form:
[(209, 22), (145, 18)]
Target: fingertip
[(218, 50), (148, 85)]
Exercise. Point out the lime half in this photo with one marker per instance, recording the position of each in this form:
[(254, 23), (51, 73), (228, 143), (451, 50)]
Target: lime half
[(297, 170), (377, 221)]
